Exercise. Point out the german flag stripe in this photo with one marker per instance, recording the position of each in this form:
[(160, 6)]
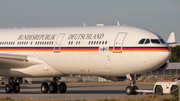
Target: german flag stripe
[(79, 49), (139, 49), (87, 49), (63, 49), (26, 48)]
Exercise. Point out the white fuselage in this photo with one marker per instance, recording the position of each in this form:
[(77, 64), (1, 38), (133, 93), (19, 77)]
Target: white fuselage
[(103, 51)]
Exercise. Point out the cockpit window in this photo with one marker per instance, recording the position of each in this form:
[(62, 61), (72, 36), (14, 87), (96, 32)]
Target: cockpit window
[(155, 41), (162, 41), (147, 41), (141, 41)]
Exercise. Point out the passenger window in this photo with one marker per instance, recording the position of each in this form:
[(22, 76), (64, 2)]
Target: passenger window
[(99, 42), (106, 42), (155, 41), (102, 42), (147, 41), (92, 42), (162, 41), (141, 41)]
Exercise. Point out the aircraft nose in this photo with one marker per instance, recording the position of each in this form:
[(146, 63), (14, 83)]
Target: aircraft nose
[(162, 57), (157, 58), (166, 55)]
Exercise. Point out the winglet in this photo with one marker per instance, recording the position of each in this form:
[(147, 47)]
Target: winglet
[(171, 39)]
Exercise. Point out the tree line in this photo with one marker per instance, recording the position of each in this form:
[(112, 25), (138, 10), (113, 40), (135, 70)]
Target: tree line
[(175, 54)]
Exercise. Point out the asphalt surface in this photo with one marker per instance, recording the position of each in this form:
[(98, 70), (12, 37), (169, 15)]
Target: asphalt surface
[(76, 91)]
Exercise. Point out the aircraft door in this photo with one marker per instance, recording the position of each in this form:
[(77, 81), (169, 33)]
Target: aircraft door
[(58, 42), (118, 43)]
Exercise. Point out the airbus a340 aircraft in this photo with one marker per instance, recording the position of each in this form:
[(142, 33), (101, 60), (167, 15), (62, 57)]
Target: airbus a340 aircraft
[(113, 52)]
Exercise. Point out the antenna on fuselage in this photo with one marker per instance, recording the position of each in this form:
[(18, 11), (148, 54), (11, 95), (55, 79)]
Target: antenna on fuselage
[(84, 24), (118, 23)]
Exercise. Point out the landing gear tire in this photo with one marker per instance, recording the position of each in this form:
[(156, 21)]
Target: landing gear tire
[(129, 90), (13, 85), (62, 87), (9, 88), (16, 87), (159, 90), (134, 90), (176, 91), (53, 88), (173, 88), (44, 87)]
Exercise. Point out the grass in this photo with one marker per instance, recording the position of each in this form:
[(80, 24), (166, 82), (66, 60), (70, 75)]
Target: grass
[(147, 98)]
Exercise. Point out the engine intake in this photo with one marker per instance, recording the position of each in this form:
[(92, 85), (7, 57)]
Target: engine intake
[(122, 78), (115, 78), (163, 67)]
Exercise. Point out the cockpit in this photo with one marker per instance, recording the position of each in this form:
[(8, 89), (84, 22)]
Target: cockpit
[(153, 41)]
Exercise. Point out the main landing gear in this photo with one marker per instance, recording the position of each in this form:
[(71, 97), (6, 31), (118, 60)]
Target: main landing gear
[(13, 85), (131, 90), (53, 87)]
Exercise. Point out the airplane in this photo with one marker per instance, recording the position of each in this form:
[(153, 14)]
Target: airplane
[(113, 52)]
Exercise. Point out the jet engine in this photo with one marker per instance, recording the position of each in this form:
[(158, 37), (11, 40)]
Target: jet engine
[(163, 67), (115, 78), (120, 78)]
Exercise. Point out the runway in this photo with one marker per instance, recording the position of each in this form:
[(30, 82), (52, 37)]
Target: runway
[(75, 91)]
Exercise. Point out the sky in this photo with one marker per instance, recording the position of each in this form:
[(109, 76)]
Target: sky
[(159, 16)]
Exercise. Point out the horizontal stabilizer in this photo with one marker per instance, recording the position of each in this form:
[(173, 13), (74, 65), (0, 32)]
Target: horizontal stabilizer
[(171, 39)]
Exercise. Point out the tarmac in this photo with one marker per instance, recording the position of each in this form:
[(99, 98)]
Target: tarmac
[(76, 91)]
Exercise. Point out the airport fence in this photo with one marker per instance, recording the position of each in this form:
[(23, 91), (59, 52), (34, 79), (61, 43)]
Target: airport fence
[(155, 75), (76, 78)]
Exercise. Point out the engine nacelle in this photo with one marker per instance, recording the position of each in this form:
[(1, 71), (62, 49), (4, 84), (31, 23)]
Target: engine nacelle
[(121, 78), (163, 67), (115, 78)]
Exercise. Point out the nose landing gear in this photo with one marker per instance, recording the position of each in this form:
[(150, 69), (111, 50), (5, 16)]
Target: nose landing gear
[(131, 90)]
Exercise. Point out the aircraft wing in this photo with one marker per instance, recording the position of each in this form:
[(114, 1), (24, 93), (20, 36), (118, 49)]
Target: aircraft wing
[(14, 61)]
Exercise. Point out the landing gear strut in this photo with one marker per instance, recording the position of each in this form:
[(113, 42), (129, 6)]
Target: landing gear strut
[(131, 90), (53, 87), (13, 85)]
